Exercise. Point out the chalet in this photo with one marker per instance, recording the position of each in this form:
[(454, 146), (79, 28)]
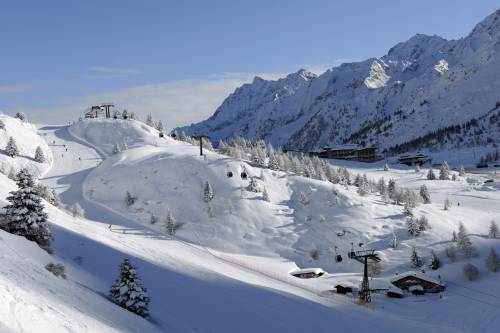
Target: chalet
[(308, 273), (417, 159), (418, 282), (349, 152)]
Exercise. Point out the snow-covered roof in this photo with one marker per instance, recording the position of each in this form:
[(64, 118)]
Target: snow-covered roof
[(394, 289), (307, 270), (418, 275)]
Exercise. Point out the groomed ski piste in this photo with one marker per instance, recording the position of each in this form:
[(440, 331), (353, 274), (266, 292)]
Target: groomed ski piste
[(227, 269)]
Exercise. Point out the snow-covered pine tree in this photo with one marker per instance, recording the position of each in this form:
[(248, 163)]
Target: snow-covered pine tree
[(461, 171), (21, 116), (386, 167), (444, 171), (454, 237), (493, 261), (451, 252), (454, 176), (265, 195), (116, 149), (415, 259), (159, 126), (25, 214), (423, 223), (39, 156), (76, 210), (304, 198), (153, 218), (116, 114), (464, 243), (358, 180), (253, 186), (435, 263), (12, 174), (431, 175), (129, 199), (381, 186), (208, 192), (170, 223), (2, 125), (391, 188), (407, 210), (424, 194), (128, 291), (412, 227), (393, 242), (125, 114), (447, 204), (493, 231), (149, 121), (11, 148)]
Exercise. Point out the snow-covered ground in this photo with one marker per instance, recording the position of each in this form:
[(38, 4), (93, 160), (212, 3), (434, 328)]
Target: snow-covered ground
[(230, 272)]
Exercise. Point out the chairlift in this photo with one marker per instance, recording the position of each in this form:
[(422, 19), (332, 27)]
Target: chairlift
[(338, 257), (229, 174), (351, 253), (243, 174)]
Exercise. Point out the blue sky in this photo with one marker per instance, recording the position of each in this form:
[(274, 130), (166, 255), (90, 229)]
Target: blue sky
[(178, 59)]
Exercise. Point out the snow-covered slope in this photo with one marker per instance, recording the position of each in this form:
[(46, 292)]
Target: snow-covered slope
[(422, 85), (27, 140)]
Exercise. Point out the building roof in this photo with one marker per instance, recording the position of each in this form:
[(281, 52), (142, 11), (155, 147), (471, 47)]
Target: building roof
[(418, 275), (307, 270)]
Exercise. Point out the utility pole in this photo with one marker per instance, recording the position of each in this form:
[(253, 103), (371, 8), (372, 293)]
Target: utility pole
[(200, 137)]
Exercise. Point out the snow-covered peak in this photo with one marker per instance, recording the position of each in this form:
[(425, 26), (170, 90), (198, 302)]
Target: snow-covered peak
[(417, 47), (490, 26), (377, 77)]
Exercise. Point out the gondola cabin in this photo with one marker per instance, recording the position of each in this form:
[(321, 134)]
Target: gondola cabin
[(426, 284), (308, 273)]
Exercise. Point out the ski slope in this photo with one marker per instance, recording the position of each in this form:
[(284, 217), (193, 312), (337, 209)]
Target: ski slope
[(230, 272)]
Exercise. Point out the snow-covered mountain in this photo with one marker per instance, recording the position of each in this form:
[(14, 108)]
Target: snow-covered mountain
[(419, 87)]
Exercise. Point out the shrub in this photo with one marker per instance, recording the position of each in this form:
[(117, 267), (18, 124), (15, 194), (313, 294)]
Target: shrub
[(57, 269), (471, 272)]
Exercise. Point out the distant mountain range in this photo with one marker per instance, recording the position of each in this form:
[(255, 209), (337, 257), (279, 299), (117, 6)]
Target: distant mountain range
[(425, 93)]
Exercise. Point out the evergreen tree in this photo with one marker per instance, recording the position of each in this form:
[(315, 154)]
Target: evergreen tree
[(129, 199), (125, 115), (159, 126), (493, 232), (435, 262), (447, 204), (464, 243), (386, 167), (431, 175), (444, 171), (21, 116), (423, 223), (253, 186), (265, 195), (25, 215), (153, 219), (273, 162), (170, 223), (393, 242), (150, 122), (412, 227), (304, 198), (461, 172), (128, 292), (2, 125), (454, 237), (493, 261), (208, 192), (39, 156), (391, 188), (11, 148), (77, 210), (471, 272), (407, 210), (424, 194), (415, 259)]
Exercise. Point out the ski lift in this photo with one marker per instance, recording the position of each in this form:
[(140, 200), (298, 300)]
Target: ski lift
[(352, 254), (244, 174), (338, 257), (340, 234), (229, 174)]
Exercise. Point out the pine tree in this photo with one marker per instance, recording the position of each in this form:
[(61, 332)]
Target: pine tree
[(253, 186), (265, 195), (461, 171), (153, 219), (493, 232), (407, 210), (391, 188), (415, 259), (25, 213), (170, 223), (424, 194), (21, 116), (128, 292), (381, 187), (2, 125), (76, 210), (493, 261), (386, 167), (208, 192), (444, 171), (464, 243), (273, 162), (431, 175), (39, 156), (454, 237), (125, 114), (447, 204), (149, 121), (304, 198), (11, 148), (412, 227), (423, 223), (393, 242), (129, 199), (435, 262)]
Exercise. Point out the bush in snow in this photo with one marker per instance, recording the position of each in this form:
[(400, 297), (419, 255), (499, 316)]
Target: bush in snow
[(451, 252), (431, 175), (444, 171), (25, 214), (461, 171), (447, 204), (393, 242), (11, 148), (493, 261), (129, 199), (128, 292), (21, 116), (76, 210), (314, 254), (464, 243), (471, 272), (424, 194), (435, 263), (265, 195), (407, 210), (423, 223), (208, 192), (493, 231), (56, 269), (153, 219), (116, 149), (415, 259), (304, 198), (39, 156)]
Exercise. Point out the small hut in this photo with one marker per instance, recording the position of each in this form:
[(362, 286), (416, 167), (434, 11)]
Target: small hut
[(409, 280)]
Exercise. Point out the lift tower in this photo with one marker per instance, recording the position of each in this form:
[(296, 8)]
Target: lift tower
[(363, 257)]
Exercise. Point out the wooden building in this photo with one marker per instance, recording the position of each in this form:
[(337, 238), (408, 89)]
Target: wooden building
[(349, 152), (412, 281), (417, 159)]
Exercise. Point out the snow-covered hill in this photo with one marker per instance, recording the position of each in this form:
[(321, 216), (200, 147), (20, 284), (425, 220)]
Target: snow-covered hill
[(421, 86)]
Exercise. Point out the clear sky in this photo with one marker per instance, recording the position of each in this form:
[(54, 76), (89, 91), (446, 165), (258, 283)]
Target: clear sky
[(179, 59)]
